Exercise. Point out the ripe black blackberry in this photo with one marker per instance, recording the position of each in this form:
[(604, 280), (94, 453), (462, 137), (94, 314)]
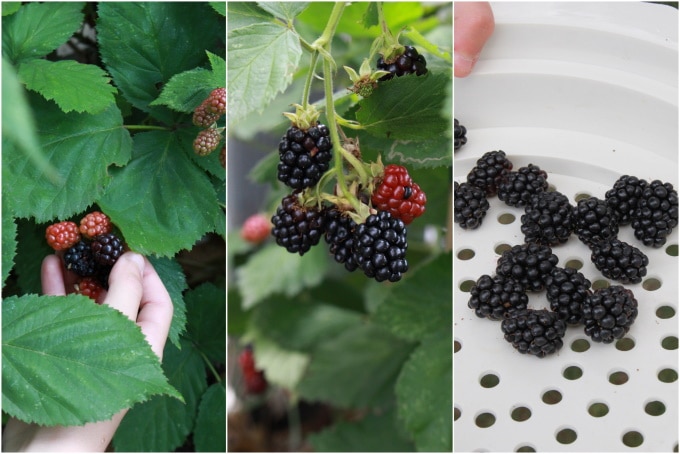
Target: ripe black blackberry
[(469, 205), (304, 156), (608, 313), (620, 261), (339, 235), (78, 258), (409, 62), (494, 297), (528, 263), (106, 249), (518, 187), (623, 197), (534, 332), (567, 290), (380, 247), (295, 227), (547, 219), (459, 134), (594, 220), (656, 214), (488, 170)]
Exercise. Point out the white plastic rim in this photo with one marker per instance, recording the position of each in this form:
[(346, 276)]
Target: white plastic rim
[(588, 92)]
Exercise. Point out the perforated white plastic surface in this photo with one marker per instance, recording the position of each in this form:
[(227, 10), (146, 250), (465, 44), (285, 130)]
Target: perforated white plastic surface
[(588, 92)]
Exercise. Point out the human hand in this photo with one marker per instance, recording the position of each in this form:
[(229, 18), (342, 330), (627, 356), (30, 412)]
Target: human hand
[(135, 290), (473, 25)]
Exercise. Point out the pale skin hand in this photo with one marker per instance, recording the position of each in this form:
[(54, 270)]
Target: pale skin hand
[(134, 289), (473, 26)]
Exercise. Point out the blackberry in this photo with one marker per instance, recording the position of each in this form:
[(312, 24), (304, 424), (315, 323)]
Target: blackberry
[(517, 188), (409, 62), (340, 229), (608, 313), (534, 332), (380, 247), (295, 227), (547, 219), (594, 221), (620, 261), (528, 263), (623, 197), (469, 205), (79, 259), (656, 214), (566, 290), (106, 249), (494, 297), (304, 156), (459, 133), (490, 168)]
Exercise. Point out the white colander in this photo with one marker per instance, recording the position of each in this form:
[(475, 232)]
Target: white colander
[(588, 92)]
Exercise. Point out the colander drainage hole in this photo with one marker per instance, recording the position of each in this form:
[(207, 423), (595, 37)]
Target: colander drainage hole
[(466, 285), (500, 248), (632, 439), (572, 373), (580, 345), (520, 414), (665, 312), (598, 409), (489, 380), (625, 344), (465, 254), (506, 218), (672, 250), (485, 420), (600, 283), (566, 436), (670, 343), (651, 284), (618, 378), (655, 408), (668, 375), (526, 448), (581, 195), (551, 397), (456, 413), (577, 264), (456, 346)]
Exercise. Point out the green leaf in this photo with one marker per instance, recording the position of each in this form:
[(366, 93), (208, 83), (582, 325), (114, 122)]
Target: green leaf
[(10, 8), (243, 14), (162, 424), (284, 10), (80, 146), (38, 28), (237, 318), (51, 342), (185, 91), (380, 432), (219, 69), (407, 107), (31, 250), (262, 60), (174, 280), (362, 364), (299, 325), (9, 241), (414, 154), (206, 312), (273, 270), (282, 367), (160, 201), (370, 17), (419, 304), (219, 7), (72, 85), (144, 44), (210, 433), (424, 394)]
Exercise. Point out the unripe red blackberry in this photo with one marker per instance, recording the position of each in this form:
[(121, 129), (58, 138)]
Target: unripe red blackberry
[(256, 228), (206, 141), (203, 117), (216, 102), (95, 223), (398, 194), (62, 235)]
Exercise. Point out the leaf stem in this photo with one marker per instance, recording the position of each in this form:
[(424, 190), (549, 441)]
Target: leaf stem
[(148, 127), (415, 36), (331, 25), (308, 82), (210, 366)]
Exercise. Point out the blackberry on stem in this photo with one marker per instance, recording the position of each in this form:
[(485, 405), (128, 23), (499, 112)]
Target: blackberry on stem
[(534, 332), (608, 313), (409, 62), (295, 227), (380, 247), (79, 259), (339, 235), (304, 155), (106, 249), (493, 297)]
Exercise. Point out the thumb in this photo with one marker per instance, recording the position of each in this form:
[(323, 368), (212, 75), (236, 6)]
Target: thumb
[(473, 25), (126, 284)]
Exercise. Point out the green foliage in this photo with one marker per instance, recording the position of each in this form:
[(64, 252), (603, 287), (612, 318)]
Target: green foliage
[(379, 350), (114, 134)]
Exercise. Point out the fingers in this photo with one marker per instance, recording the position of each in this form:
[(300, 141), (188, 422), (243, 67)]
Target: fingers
[(52, 276), (473, 25), (126, 285)]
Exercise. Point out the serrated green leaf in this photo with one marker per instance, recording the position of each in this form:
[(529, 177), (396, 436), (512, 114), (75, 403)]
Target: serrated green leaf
[(219, 7), (299, 325), (206, 313), (281, 367), (185, 91), (38, 28), (243, 14), (174, 280), (162, 424), (160, 201), (273, 270), (219, 68), (73, 86), (144, 44), (424, 394), (362, 364), (51, 342), (210, 434), (31, 250), (81, 147), (284, 10), (373, 433), (420, 304), (407, 107), (9, 240), (414, 154), (262, 60)]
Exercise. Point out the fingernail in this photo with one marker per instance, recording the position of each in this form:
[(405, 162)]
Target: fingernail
[(137, 259), (463, 65)]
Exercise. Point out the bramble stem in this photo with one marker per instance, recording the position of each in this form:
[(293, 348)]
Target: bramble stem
[(308, 82), (146, 127), (331, 25)]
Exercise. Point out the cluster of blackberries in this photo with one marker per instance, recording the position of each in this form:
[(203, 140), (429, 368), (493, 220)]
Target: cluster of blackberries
[(459, 135), (606, 314), (205, 116), (94, 258), (377, 246), (409, 62), (304, 155)]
